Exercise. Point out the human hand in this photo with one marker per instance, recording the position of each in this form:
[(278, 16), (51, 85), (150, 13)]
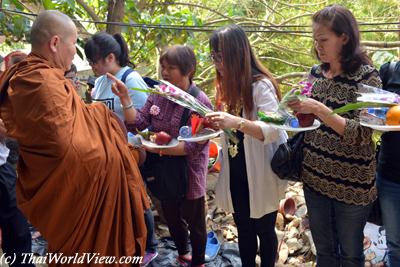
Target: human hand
[(223, 120), (120, 90), (3, 131), (305, 106)]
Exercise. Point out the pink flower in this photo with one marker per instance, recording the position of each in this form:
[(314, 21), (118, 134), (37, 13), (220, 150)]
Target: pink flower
[(154, 110)]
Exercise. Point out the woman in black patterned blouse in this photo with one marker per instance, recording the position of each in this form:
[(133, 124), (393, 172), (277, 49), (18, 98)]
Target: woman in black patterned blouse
[(339, 166)]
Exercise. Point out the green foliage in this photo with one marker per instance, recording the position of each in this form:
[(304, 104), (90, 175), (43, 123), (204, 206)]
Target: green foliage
[(14, 28)]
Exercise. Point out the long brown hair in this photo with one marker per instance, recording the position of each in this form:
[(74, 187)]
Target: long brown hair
[(341, 21), (241, 68)]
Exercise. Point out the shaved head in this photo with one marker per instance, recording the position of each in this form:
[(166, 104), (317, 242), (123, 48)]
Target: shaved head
[(48, 24)]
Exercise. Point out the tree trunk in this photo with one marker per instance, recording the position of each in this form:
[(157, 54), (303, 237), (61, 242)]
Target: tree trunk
[(115, 14)]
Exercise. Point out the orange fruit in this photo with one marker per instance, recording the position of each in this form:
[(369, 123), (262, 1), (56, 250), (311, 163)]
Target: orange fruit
[(393, 116)]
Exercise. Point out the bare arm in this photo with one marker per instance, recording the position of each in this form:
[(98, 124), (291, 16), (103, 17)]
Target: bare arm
[(120, 90), (178, 150), (225, 120)]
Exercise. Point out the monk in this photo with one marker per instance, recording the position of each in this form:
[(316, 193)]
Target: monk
[(79, 183)]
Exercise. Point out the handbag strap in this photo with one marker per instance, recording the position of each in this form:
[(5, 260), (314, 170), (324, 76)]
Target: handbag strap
[(194, 91)]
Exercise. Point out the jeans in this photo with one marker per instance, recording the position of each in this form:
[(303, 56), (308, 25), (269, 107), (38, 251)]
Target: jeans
[(389, 199), (337, 230), (151, 242), (15, 228)]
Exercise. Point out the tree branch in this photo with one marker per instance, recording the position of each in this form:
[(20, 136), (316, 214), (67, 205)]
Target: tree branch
[(393, 44), (373, 49), (284, 49), (206, 82), (89, 10), (207, 69), (296, 17), (195, 5), (297, 6), (286, 62), (115, 13), (290, 76)]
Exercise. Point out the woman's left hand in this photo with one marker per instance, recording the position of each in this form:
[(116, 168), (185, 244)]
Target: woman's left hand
[(305, 106), (120, 90), (223, 120)]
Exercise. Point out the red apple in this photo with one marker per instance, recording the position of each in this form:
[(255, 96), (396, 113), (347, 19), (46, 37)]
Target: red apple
[(162, 138)]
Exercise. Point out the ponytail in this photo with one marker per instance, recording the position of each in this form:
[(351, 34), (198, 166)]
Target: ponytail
[(123, 57), (101, 44)]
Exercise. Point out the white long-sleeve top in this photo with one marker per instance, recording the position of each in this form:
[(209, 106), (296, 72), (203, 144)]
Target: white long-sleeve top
[(265, 188)]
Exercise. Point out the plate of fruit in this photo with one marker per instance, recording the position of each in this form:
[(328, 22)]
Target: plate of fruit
[(157, 140), (200, 130), (302, 122), (381, 119)]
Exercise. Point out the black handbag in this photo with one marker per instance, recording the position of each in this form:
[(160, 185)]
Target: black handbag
[(167, 176), (287, 160)]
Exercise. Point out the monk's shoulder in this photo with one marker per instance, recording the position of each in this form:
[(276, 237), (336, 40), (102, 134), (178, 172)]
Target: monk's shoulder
[(38, 73)]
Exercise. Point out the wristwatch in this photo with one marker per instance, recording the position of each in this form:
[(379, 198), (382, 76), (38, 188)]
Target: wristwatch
[(241, 124)]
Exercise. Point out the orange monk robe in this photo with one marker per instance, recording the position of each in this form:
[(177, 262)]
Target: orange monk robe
[(79, 184)]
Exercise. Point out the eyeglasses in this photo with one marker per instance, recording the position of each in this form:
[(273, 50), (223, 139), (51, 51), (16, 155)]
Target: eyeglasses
[(216, 57)]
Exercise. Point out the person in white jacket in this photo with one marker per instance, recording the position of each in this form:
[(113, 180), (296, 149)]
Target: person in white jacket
[(247, 185)]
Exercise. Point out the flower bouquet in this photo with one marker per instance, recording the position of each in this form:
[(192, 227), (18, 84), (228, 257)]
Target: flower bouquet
[(182, 98), (299, 92), (283, 115)]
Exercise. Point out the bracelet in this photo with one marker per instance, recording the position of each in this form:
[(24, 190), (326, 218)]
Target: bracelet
[(128, 106), (241, 125)]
